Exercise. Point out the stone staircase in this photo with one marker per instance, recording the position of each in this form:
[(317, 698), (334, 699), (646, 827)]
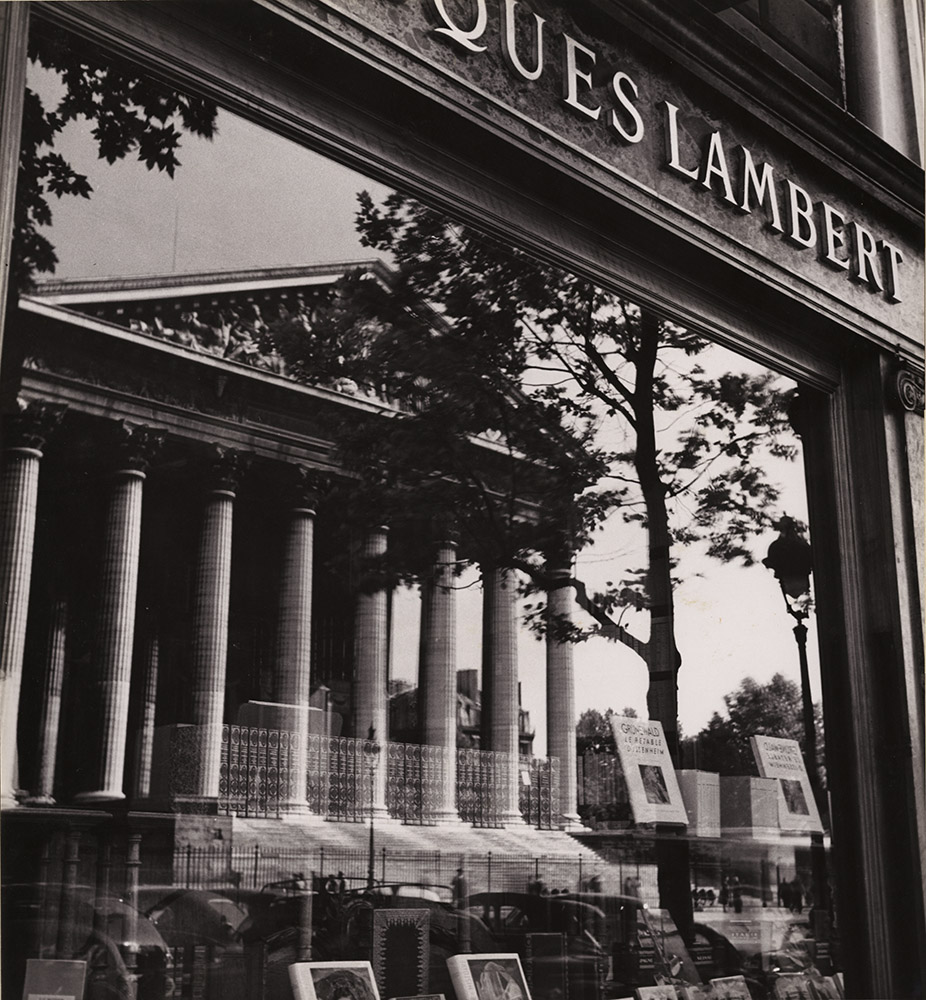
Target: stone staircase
[(266, 850)]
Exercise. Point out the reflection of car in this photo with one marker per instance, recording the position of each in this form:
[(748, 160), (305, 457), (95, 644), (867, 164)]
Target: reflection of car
[(200, 926), (119, 944), (559, 939), (188, 917), (643, 942), (341, 921)]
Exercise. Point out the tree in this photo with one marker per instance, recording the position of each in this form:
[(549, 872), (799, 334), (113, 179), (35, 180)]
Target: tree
[(772, 709), (130, 112), (594, 733), (477, 338)]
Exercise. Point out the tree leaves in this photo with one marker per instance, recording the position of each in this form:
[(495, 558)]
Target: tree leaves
[(132, 113)]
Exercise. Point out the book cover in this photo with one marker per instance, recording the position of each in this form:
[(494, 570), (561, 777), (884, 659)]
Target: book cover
[(333, 981), (488, 977), (783, 760), (655, 796)]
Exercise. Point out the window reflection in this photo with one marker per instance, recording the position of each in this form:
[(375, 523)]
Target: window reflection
[(417, 372)]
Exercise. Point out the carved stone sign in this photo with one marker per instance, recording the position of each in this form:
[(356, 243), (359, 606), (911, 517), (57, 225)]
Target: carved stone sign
[(636, 125)]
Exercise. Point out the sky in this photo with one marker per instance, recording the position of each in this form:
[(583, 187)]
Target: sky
[(251, 199)]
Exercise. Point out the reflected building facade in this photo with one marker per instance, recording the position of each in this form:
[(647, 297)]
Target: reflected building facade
[(176, 585)]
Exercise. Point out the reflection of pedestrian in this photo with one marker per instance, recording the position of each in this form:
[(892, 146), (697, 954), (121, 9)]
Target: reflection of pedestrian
[(459, 889), (736, 894), (725, 892), (797, 896)]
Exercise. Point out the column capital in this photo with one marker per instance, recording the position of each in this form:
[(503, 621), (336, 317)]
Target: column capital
[(137, 445), (33, 423), (225, 468), (445, 530), (304, 487)]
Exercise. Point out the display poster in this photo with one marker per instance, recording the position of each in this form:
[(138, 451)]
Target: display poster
[(648, 770), (783, 760), (54, 979)]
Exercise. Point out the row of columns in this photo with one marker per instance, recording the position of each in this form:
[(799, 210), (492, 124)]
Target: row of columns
[(116, 647)]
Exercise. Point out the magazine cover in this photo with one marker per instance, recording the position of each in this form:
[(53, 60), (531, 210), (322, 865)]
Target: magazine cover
[(782, 759), (651, 782), (488, 977), (333, 981)]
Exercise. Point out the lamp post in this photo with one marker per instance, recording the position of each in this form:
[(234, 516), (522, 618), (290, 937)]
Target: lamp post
[(789, 558), (371, 749)]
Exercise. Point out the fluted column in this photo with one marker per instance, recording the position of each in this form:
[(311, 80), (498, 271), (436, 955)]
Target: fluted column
[(148, 660), (371, 636), (115, 627), (18, 499), (210, 619), (437, 671), (500, 710), (50, 711), (292, 678), (561, 696)]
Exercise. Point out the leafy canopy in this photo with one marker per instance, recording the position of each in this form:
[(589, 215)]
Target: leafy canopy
[(478, 338), (130, 112)]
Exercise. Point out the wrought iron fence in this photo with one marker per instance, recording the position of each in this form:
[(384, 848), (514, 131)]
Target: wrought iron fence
[(259, 774), (255, 867), (257, 769), (538, 791)]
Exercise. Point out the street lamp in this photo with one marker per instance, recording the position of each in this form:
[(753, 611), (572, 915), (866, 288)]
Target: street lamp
[(371, 749), (789, 558)]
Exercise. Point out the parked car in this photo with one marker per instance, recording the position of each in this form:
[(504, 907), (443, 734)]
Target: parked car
[(643, 942), (575, 966), (120, 945)]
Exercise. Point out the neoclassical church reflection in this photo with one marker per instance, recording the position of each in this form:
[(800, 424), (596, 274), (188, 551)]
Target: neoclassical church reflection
[(191, 627)]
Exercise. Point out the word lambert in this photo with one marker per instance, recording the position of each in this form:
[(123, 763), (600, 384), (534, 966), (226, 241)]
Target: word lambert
[(734, 176)]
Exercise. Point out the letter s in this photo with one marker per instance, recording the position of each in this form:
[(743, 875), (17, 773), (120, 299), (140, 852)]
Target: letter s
[(617, 89), (458, 34)]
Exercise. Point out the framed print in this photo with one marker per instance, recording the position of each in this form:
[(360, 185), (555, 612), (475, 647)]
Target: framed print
[(488, 977), (333, 981)]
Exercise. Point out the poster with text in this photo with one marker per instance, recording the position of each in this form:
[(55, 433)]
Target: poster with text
[(651, 782), (783, 760)]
